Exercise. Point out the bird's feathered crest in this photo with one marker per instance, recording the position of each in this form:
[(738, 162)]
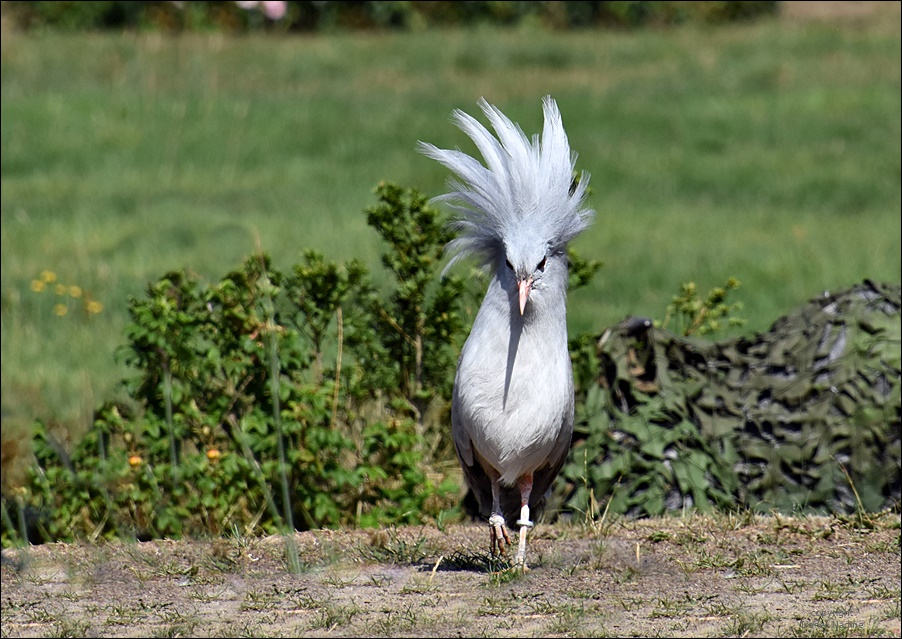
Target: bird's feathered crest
[(525, 187)]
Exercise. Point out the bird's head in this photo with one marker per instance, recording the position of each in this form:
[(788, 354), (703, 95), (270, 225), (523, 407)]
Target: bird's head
[(518, 211)]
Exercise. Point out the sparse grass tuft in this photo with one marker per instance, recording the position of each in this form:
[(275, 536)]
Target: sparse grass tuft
[(567, 619), (331, 616), (257, 601), (831, 626), (389, 546), (745, 623), (476, 562), (69, 628), (181, 629), (396, 620), (506, 575), (243, 628), (671, 607)]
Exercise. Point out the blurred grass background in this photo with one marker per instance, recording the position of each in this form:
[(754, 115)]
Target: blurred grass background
[(767, 151)]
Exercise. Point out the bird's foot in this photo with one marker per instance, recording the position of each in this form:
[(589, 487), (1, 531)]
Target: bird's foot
[(500, 538)]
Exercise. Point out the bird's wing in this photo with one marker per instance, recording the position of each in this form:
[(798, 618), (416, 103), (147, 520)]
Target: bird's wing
[(459, 432), (543, 479), (475, 476), (545, 476)]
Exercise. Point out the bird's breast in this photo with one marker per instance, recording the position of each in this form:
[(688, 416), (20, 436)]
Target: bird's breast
[(515, 406)]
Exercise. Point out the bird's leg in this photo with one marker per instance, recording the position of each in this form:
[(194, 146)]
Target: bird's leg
[(525, 485), (496, 521)]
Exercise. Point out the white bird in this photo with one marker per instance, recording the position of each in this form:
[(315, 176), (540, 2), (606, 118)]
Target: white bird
[(512, 407)]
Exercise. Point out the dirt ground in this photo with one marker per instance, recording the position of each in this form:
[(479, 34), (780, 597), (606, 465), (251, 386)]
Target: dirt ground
[(697, 576)]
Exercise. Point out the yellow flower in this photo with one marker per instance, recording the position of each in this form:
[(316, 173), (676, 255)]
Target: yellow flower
[(48, 276), (134, 460), (60, 310), (93, 306), (60, 289), (37, 286), (213, 454), (75, 291)]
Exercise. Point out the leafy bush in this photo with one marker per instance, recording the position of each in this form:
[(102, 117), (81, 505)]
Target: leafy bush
[(237, 418), (418, 325), (704, 317)]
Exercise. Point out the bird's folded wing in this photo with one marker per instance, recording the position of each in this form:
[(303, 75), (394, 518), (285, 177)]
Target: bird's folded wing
[(462, 441)]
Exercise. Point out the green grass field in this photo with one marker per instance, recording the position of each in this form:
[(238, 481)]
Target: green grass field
[(769, 152)]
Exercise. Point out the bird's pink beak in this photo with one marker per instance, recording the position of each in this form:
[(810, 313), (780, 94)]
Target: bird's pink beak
[(524, 287)]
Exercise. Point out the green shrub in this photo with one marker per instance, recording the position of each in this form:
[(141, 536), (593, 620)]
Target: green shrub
[(417, 327), (240, 417)]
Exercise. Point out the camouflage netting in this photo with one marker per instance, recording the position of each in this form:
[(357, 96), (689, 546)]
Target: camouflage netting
[(804, 417)]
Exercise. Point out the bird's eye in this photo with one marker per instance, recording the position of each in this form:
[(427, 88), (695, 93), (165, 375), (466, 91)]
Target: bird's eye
[(509, 265), (541, 265)]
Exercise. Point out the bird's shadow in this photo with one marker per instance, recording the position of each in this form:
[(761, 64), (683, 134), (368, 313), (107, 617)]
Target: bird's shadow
[(512, 346), (472, 561)]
